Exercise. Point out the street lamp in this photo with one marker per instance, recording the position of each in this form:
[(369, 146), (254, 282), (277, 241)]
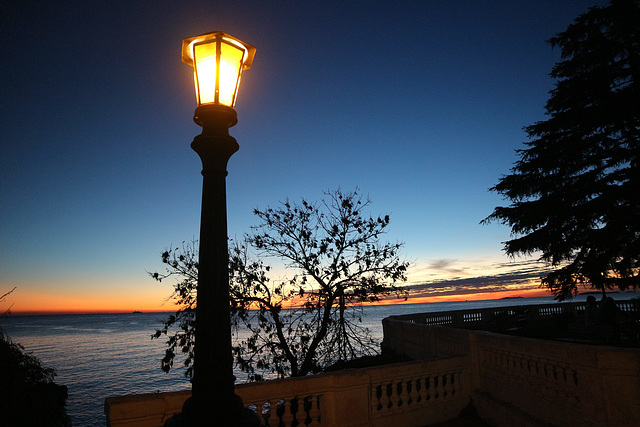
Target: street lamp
[(218, 61)]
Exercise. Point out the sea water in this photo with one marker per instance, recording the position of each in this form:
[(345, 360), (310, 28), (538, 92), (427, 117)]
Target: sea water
[(101, 355), (96, 356)]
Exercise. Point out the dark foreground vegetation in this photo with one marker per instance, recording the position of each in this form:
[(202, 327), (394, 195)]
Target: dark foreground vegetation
[(573, 194), (28, 395)]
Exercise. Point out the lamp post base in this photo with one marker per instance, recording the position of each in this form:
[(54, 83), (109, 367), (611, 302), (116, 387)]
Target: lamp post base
[(194, 416)]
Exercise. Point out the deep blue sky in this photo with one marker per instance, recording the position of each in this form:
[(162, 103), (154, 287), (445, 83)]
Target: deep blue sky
[(420, 104)]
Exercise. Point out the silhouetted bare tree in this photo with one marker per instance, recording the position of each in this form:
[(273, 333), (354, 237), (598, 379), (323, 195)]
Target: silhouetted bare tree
[(299, 324), (7, 310)]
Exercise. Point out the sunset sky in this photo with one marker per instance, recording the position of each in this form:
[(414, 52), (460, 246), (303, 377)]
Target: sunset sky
[(420, 104)]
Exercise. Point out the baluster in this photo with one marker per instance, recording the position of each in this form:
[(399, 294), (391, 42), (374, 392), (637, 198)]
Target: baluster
[(385, 401), (450, 386), (516, 364), (288, 417), (538, 367), (376, 394), (567, 375), (541, 372), (445, 385), (428, 389), (267, 412), (420, 390), (414, 396), (395, 395), (546, 370), (437, 385), (279, 413), (314, 411), (574, 377), (456, 386), (404, 393), (562, 379)]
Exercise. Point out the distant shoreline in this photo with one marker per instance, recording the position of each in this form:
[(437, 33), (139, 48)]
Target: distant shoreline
[(82, 313)]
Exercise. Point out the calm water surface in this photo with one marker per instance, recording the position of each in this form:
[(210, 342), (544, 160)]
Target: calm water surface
[(103, 355)]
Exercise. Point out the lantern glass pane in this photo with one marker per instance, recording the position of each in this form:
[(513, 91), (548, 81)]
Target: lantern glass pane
[(204, 56), (230, 69)]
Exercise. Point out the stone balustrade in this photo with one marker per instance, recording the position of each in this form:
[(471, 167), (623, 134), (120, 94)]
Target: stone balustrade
[(477, 318), (510, 380), (526, 381), (409, 394)]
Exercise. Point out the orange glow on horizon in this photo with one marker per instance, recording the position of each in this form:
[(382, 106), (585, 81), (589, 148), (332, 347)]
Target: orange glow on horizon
[(80, 311), (33, 303)]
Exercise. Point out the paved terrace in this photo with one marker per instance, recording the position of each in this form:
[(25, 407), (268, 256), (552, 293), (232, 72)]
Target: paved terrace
[(458, 369)]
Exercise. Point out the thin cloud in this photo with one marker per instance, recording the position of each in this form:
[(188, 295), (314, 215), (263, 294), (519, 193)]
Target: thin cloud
[(445, 266), (519, 275)]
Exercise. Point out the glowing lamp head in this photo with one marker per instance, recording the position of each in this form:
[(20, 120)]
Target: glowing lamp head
[(218, 61)]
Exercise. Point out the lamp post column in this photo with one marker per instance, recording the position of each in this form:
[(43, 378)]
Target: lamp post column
[(213, 397)]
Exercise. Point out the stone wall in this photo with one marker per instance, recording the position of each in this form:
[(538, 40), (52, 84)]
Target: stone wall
[(526, 381)]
